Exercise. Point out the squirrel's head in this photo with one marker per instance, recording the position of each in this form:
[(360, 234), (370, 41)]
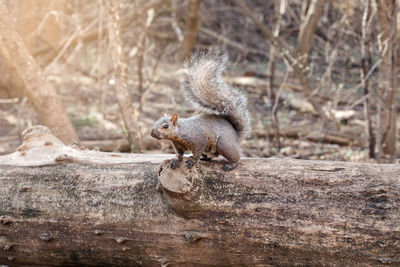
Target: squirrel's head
[(165, 127)]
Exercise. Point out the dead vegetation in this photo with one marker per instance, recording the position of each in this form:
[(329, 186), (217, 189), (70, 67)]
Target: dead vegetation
[(319, 76), (321, 82)]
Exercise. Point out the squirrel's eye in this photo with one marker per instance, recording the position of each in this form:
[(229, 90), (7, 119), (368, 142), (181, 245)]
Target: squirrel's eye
[(165, 126)]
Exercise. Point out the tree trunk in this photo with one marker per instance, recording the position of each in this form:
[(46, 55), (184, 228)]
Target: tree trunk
[(129, 115), (287, 53), (77, 207), (364, 69), (387, 130), (307, 29), (38, 90), (35, 21), (189, 41), (26, 21)]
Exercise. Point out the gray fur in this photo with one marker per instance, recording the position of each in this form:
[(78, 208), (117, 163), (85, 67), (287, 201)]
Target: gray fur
[(204, 87), (207, 135)]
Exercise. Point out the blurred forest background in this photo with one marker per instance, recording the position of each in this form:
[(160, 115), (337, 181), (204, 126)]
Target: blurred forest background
[(320, 76)]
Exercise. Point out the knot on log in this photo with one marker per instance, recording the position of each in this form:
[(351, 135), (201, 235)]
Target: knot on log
[(120, 239), (5, 220), (178, 180), (176, 185), (192, 236), (7, 247), (97, 232), (5, 244), (186, 190), (46, 236)]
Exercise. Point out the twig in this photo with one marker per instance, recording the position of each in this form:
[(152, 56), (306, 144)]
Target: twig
[(9, 100), (279, 9), (365, 56), (360, 85), (78, 32), (274, 116), (283, 49)]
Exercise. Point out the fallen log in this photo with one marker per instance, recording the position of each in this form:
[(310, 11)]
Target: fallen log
[(65, 206), (9, 143), (314, 136)]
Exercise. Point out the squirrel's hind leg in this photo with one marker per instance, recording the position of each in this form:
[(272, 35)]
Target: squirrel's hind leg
[(231, 151), (210, 152)]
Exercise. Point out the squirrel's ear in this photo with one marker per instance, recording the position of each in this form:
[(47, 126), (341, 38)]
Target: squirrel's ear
[(174, 118)]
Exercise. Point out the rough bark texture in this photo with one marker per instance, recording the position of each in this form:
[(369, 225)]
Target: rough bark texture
[(39, 91), (307, 29), (364, 68), (387, 40), (189, 41), (77, 207)]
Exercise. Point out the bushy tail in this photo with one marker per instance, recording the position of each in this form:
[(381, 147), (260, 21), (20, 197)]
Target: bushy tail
[(205, 88)]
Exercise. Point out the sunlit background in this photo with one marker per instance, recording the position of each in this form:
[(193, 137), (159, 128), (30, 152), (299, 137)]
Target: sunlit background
[(324, 89)]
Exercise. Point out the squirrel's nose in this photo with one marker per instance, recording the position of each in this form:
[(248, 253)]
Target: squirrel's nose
[(154, 134)]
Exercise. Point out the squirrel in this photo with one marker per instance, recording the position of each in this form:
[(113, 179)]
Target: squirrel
[(225, 122)]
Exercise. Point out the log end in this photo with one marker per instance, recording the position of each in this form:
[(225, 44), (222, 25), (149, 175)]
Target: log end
[(175, 180), (178, 190), (41, 148), (184, 190)]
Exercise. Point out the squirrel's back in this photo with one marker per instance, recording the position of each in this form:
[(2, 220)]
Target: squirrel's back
[(204, 86)]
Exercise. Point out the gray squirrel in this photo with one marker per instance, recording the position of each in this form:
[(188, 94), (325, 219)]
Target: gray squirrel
[(223, 124)]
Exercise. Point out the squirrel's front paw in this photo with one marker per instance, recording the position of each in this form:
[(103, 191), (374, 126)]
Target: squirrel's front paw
[(190, 162), (175, 163)]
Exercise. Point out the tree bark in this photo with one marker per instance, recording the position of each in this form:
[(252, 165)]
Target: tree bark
[(192, 25), (129, 115), (80, 207), (39, 91), (387, 130), (26, 21), (307, 30), (364, 69)]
